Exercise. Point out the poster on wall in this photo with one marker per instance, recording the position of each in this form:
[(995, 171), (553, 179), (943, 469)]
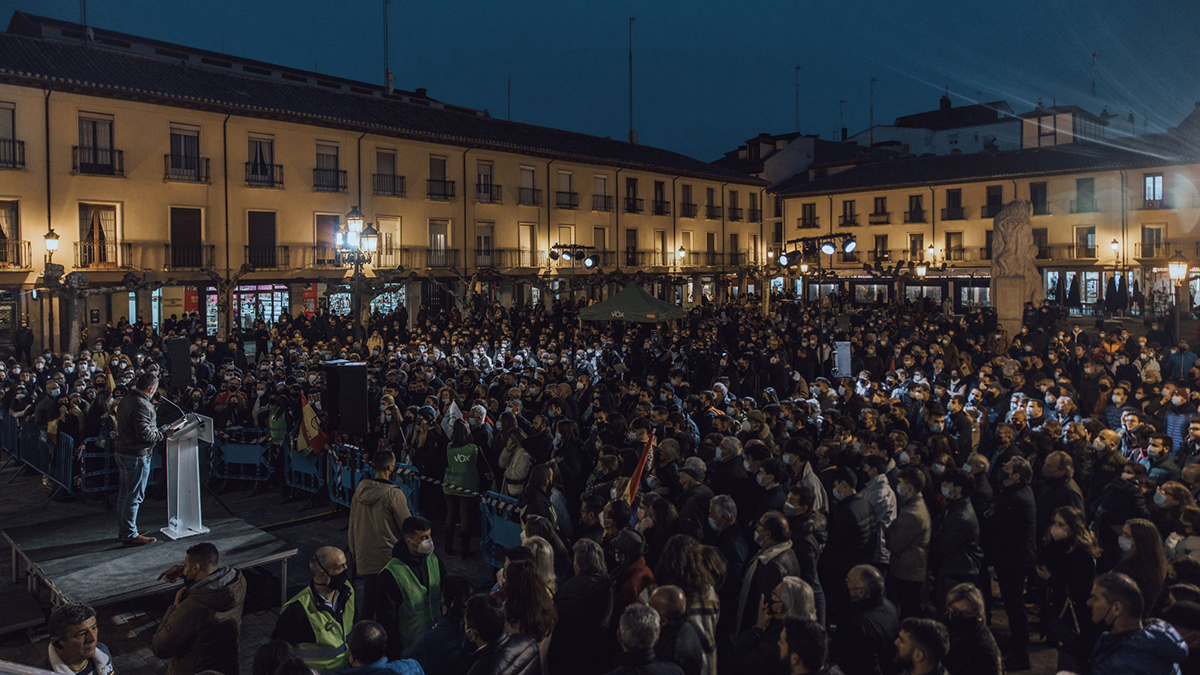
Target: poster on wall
[(94, 316), (191, 299), (308, 299)]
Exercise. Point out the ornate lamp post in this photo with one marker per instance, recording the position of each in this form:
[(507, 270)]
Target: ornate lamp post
[(1177, 267), (357, 244)]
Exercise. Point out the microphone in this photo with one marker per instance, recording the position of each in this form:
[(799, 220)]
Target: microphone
[(174, 405)]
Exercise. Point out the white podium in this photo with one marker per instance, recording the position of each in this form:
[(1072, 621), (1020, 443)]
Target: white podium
[(183, 476)]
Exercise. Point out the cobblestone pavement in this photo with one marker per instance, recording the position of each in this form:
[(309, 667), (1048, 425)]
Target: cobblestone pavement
[(127, 627)]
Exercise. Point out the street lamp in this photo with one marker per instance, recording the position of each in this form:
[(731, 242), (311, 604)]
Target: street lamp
[(922, 270), (356, 244), (1116, 247), (1177, 268), (930, 252), (51, 244), (803, 268)]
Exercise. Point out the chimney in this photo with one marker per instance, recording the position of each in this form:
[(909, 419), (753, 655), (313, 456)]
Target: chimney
[(388, 78), (421, 92), (944, 103), (845, 134), (632, 137)]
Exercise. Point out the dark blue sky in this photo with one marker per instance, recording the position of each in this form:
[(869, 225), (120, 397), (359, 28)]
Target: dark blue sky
[(708, 74)]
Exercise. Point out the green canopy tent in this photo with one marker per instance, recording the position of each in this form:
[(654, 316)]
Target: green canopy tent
[(632, 304)]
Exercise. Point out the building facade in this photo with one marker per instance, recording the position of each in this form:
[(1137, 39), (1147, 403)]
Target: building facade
[(190, 167)]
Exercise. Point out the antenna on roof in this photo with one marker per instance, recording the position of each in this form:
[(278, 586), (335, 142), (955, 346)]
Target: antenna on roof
[(841, 119), (1094, 55), (510, 98), (387, 72), (632, 133), (871, 113)]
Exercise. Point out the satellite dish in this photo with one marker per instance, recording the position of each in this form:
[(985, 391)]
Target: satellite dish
[(90, 34)]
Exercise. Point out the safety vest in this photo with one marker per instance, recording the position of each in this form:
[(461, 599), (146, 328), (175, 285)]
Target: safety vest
[(460, 469), (328, 652), (422, 607)]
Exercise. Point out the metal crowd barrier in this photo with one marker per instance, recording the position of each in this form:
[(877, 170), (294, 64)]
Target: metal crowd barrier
[(500, 526), (348, 466), (241, 453), (99, 473), (32, 446), (303, 471)]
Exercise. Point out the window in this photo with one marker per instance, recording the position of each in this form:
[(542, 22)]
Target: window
[(527, 244), (660, 248), (601, 200), (987, 245), (325, 228), (260, 165), (1038, 195), (778, 207), (439, 243), (187, 238), (389, 234), (600, 185), (685, 193), (808, 215), (916, 246), (1041, 239), (1085, 195), (485, 190), (1085, 241), (8, 121), (954, 246), (880, 249), (631, 240), (1154, 186), (184, 161), (1153, 241), (566, 234), (1047, 127), (600, 238), (97, 235), (848, 215), (915, 213), (733, 200), (440, 189), (327, 175), (995, 196), (528, 176), (880, 206), (437, 168), (260, 239), (528, 193), (95, 153), (12, 152), (710, 196), (954, 198), (686, 239), (660, 191), (385, 162), (10, 235)]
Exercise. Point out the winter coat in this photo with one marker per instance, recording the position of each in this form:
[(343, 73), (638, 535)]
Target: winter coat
[(682, 643), (137, 426), (1010, 526), (515, 654), (865, 644), (849, 541), (973, 649), (202, 632), (584, 604), (908, 541), (1057, 492), (882, 502), (377, 511), (642, 663), (440, 651), (955, 548), (693, 510), (808, 540), (763, 574), (1156, 649)]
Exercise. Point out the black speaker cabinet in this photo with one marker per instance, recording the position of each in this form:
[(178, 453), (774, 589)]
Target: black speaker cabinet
[(345, 397), (179, 362)]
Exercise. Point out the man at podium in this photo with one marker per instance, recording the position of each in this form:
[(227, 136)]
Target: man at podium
[(137, 434)]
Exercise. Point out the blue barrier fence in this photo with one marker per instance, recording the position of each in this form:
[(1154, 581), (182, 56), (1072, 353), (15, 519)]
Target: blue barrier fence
[(303, 471), (52, 456), (500, 526), (241, 453), (348, 466)]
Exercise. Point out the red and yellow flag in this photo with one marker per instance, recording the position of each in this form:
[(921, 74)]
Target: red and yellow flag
[(311, 438), (644, 465)]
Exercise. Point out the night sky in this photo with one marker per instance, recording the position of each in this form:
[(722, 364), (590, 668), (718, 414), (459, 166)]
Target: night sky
[(708, 75)]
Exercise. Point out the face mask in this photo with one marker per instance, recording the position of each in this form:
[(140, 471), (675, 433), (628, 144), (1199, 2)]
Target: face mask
[(1125, 543), (758, 538), (713, 524), (789, 459), (1177, 400), (746, 463), (746, 426), (837, 495), (938, 468), (719, 456), (946, 492), (1098, 444), (937, 428), (762, 482), (903, 458), (1160, 499), (425, 547)]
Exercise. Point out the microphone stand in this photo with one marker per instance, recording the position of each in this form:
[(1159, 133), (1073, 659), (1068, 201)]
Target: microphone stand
[(203, 484)]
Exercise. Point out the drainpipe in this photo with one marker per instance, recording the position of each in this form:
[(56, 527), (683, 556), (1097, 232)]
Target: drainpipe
[(1124, 218), (932, 218), (464, 201), (724, 241), (358, 171), (49, 212), (673, 255), (548, 214), (225, 181), (830, 197)]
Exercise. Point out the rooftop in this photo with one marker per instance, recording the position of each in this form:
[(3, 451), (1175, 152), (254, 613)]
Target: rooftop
[(121, 66)]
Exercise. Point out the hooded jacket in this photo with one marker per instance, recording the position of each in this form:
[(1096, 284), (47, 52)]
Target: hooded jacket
[(202, 631), (508, 655), (377, 511), (1156, 649)]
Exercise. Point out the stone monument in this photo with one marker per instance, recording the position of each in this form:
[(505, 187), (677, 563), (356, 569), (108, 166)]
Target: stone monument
[(1015, 276)]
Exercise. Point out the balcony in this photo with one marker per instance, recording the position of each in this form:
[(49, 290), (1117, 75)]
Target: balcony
[(1044, 252), (1143, 204), (1152, 250), (188, 257), (714, 259), (851, 257), (602, 203), (712, 212), (913, 254), (990, 210), (185, 168), (389, 185), (880, 218), (15, 254), (985, 253), (264, 175), (104, 255), (688, 210), (661, 207), (808, 222), (505, 258), (735, 214), (879, 255), (268, 257), (954, 213), (848, 220), (488, 193), (755, 215), (528, 196), (428, 258), (1041, 209), (955, 254), (1085, 206), (1079, 252), (326, 255), (914, 216), (329, 180), (634, 205), (566, 199), (440, 190), (736, 259), (90, 161), (12, 154)]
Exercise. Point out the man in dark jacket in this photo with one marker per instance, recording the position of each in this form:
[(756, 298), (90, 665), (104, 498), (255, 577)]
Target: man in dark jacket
[(731, 542), (440, 651), (849, 542), (1129, 644), (775, 560), (366, 652), (201, 631), (1059, 489), (807, 526), (23, 341), (864, 642), (1013, 553), (680, 637), (494, 652), (137, 434), (693, 502), (584, 605), (421, 570), (954, 550), (638, 632), (973, 649)]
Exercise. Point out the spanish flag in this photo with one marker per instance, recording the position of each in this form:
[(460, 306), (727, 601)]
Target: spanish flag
[(311, 438), (112, 384), (643, 466)]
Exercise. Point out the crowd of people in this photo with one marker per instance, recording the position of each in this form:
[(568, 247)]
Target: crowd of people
[(718, 495)]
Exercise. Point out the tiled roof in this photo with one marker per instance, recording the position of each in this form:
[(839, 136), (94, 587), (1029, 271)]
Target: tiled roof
[(1159, 150), (109, 73)]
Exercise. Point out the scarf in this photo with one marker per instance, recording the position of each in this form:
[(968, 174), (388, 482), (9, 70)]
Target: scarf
[(100, 660)]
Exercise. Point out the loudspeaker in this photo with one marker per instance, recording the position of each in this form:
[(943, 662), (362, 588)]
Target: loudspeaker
[(345, 397), (179, 362)]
